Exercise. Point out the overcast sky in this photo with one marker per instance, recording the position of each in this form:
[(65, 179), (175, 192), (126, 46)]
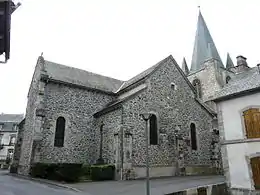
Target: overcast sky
[(119, 38)]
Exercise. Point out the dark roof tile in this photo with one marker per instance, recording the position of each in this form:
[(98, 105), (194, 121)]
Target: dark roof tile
[(242, 82), (16, 118), (81, 77)]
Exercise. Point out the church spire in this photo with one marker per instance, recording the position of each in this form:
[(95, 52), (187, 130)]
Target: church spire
[(184, 67), (229, 63), (204, 46)]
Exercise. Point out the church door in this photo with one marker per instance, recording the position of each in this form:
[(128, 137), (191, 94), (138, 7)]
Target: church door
[(255, 165)]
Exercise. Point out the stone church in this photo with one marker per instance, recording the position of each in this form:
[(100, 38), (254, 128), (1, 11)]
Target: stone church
[(76, 116)]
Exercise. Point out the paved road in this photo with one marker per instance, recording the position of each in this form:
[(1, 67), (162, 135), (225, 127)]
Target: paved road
[(137, 187), (10, 185), (14, 186)]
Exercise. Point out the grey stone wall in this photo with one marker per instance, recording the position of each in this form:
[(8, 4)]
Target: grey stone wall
[(112, 135), (224, 154), (77, 106), (46, 102), (29, 127), (173, 108), (212, 78)]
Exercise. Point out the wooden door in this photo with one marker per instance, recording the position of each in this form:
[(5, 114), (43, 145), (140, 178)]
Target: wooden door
[(255, 166)]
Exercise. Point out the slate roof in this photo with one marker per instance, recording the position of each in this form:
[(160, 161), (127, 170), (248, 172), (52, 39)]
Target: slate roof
[(204, 46), (15, 118), (81, 77), (242, 83)]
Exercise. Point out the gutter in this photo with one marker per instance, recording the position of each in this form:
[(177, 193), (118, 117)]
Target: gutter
[(47, 78)]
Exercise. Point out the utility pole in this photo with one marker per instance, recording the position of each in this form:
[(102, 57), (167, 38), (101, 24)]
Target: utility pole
[(146, 117)]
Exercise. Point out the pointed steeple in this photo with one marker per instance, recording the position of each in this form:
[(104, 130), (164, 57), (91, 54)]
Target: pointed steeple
[(229, 63), (184, 67), (204, 46)]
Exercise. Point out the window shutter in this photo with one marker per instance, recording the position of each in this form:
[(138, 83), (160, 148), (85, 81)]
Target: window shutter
[(252, 123)]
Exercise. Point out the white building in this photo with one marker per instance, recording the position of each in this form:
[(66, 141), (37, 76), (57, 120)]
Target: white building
[(238, 105), (8, 132)]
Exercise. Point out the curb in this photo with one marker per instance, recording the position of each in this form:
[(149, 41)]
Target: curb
[(43, 181), (194, 190)]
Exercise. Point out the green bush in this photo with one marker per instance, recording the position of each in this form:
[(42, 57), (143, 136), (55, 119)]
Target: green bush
[(60, 172), (70, 172), (102, 172), (39, 170), (86, 171)]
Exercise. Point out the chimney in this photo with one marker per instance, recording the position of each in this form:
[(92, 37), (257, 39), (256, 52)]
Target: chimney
[(241, 61), (241, 64)]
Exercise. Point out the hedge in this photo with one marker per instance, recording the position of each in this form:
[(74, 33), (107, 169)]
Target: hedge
[(102, 172), (60, 172), (86, 171)]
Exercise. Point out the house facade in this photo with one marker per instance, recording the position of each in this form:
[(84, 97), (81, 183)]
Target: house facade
[(239, 119), (8, 132)]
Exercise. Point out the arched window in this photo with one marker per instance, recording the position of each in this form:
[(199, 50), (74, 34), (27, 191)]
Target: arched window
[(153, 130), (197, 86), (193, 136), (228, 78), (59, 133), (252, 122)]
